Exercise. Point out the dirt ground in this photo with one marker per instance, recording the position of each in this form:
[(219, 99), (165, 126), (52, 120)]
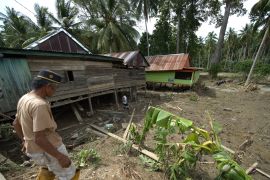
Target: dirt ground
[(243, 115)]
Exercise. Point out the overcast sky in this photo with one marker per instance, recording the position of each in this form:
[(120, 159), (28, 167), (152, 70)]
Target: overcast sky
[(235, 22)]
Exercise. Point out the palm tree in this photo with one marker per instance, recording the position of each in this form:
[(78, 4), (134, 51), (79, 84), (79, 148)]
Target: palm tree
[(2, 43), (146, 7), (66, 15), (43, 21), (260, 13), (247, 36), (113, 27), (17, 28), (231, 7), (210, 43)]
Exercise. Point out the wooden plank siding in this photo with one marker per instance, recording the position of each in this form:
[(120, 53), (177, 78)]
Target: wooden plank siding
[(81, 79)]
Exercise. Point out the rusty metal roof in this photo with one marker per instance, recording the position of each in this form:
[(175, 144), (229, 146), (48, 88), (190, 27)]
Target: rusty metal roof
[(131, 58), (168, 62), (59, 40)]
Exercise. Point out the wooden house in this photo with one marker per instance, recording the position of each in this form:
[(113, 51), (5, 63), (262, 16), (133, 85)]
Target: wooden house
[(171, 69), (85, 76), (133, 71)]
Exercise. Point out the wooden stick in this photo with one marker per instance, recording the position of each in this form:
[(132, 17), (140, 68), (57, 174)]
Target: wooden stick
[(2, 176), (252, 167), (263, 173), (6, 116), (228, 149), (134, 146), (127, 129)]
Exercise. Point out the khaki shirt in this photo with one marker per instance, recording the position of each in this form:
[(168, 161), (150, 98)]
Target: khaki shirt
[(34, 114)]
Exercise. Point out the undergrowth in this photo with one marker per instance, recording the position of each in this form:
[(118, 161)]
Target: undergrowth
[(178, 159)]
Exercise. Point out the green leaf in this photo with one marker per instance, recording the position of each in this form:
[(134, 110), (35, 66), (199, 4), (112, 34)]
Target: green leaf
[(217, 127), (192, 137), (184, 124), (163, 119)]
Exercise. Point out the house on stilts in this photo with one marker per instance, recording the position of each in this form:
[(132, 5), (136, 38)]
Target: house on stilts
[(85, 75), (172, 69)]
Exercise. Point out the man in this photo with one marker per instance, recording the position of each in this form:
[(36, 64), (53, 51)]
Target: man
[(35, 126), (125, 102)]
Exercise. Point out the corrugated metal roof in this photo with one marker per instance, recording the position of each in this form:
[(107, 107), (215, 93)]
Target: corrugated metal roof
[(7, 52), (35, 45), (168, 62), (131, 58)]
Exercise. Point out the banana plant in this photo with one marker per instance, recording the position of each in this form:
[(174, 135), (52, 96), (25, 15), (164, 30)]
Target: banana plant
[(179, 158)]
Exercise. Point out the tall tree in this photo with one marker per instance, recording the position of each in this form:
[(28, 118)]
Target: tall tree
[(66, 15), (260, 13), (210, 43), (17, 28), (162, 39), (113, 27), (146, 7), (231, 48), (231, 7), (143, 43), (42, 17), (248, 39)]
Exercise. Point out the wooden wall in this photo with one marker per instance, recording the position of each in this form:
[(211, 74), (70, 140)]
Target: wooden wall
[(81, 78)]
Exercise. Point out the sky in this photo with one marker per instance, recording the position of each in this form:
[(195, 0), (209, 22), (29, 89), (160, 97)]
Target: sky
[(26, 7)]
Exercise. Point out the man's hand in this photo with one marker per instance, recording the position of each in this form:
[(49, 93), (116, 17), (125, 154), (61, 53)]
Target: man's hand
[(42, 141), (64, 161), (23, 148)]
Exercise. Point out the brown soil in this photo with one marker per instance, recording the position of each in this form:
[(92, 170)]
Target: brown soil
[(243, 115)]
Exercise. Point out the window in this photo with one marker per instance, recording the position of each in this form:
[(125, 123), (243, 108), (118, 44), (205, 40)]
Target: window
[(70, 76), (183, 75)]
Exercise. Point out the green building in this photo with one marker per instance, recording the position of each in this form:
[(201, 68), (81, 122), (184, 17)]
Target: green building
[(171, 69)]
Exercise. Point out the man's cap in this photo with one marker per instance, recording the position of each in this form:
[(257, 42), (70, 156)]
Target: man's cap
[(49, 76)]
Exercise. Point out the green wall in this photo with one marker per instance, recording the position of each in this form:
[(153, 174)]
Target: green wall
[(169, 77)]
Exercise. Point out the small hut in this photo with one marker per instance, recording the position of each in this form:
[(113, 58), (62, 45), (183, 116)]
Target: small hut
[(171, 69)]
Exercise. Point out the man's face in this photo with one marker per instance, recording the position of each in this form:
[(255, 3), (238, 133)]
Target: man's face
[(50, 89)]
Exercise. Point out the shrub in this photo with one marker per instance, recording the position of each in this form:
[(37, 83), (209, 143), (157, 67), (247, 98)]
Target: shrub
[(214, 70), (243, 66), (261, 69)]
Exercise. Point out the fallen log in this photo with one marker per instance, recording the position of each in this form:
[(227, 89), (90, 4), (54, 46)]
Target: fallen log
[(252, 168), (263, 173)]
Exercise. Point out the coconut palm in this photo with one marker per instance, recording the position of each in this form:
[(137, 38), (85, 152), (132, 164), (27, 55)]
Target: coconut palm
[(113, 27), (43, 21), (260, 14), (17, 28), (146, 7), (248, 39), (231, 7), (66, 15), (210, 43)]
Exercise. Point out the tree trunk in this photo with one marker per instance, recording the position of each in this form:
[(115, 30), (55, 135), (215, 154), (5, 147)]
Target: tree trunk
[(208, 59), (147, 38), (178, 35), (217, 54), (258, 54)]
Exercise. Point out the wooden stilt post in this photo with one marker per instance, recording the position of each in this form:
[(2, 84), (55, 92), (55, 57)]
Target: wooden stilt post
[(77, 114), (90, 105), (116, 99), (135, 93), (130, 94)]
